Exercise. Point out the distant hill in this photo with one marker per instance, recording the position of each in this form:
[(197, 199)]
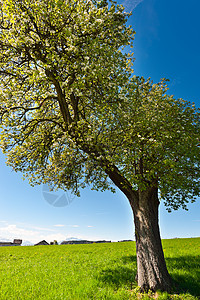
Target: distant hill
[(73, 239), (27, 243)]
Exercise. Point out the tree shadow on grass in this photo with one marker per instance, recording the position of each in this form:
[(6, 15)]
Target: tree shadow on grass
[(185, 271), (189, 266), (121, 275), (129, 259), (118, 277)]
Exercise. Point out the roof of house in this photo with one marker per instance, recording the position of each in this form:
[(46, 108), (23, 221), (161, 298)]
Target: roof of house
[(16, 242), (41, 243), (5, 243)]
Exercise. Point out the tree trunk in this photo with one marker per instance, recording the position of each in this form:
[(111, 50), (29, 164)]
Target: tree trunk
[(151, 267), (152, 272)]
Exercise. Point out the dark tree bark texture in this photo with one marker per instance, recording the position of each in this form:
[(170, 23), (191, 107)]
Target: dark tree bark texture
[(151, 267), (152, 272)]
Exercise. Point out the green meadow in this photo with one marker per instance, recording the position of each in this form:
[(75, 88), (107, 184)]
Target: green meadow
[(94, 271)]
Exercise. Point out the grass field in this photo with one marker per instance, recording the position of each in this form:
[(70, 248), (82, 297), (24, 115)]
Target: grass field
[(94, 271)]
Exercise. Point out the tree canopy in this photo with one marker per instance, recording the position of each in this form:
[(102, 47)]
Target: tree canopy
[(73, 115), (160, 141), (70, 112), (61, 66)]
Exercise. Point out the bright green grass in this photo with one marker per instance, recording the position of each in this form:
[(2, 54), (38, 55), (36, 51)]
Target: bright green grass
[(96, 271)]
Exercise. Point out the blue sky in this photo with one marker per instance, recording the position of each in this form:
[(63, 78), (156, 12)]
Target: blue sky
[(167, 44)]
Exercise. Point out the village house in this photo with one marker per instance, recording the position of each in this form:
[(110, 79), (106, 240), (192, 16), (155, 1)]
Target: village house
[(16, 242), (42, 243)]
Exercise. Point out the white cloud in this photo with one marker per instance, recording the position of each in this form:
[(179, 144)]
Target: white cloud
[(55, 236), (12, 231), (42, 229), (34, 234)]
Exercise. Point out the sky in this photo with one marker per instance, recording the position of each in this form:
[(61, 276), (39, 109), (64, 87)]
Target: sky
[(166, 45)]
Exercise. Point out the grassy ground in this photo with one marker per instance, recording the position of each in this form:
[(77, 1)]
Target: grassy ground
[(96, 271)]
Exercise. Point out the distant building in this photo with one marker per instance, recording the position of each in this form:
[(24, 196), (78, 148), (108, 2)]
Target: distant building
[(54, 243), (76, 242), (72, 242), (42, 243), (16, 242), (6, 244)]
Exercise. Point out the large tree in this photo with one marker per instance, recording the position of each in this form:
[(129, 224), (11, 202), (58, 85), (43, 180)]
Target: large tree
[(71, 115)]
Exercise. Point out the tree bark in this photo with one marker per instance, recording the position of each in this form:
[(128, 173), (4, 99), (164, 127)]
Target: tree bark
[(152, 272)]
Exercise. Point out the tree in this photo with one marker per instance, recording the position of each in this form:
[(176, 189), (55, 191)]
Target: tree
[(71, 115)]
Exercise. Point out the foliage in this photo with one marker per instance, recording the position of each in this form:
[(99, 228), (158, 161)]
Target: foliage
[(97, 271), (71, 115), (59, 63), (159, 138)]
